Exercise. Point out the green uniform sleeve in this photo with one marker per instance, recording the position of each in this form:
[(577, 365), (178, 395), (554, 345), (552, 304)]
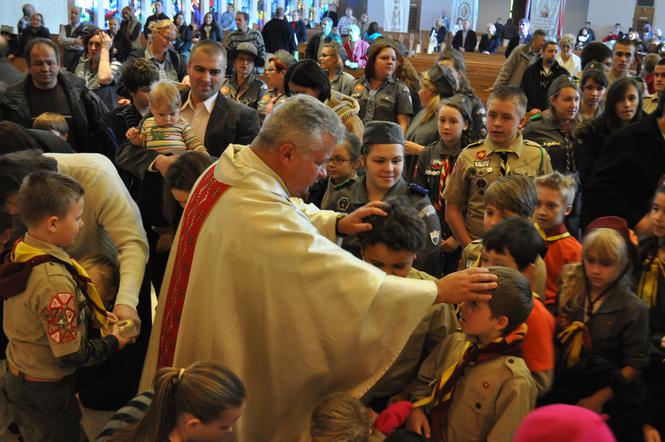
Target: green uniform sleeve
[(91, 352)]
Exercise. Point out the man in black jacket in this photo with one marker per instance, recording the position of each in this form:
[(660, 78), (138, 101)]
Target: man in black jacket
[(624, 179), (158, 15), (277, 34), (215, 120), (47, 88), (539, 76), (298, 26), (465, 39)]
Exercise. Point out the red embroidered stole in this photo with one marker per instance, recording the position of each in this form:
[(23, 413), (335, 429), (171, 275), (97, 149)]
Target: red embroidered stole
[(200, 204)]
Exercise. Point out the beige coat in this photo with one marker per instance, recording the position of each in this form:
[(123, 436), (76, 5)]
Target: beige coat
[(489, 401)]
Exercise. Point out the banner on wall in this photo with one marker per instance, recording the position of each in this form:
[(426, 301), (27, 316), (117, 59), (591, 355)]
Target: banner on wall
[(547, 15), (396, 15), (466, 10)]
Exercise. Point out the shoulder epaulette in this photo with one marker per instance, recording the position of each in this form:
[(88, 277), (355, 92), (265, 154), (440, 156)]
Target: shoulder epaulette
[(474, 144), (344, 185), (420, 190), (531, 143)]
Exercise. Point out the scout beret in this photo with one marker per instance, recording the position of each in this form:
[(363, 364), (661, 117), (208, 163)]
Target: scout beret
[(454, 55), (284, 57), (461, 103), (383, 132), (442, 79)]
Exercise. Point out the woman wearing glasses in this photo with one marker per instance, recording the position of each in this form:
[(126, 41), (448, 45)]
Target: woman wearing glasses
[(161, 52), (566, 57), (278, 64)]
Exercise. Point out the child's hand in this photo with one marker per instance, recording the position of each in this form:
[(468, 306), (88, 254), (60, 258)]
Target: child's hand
[(134, 136), (449, 245), (112, 317), (417, 422), (114, 330), (662, 342), (650, 434), (591, 403)]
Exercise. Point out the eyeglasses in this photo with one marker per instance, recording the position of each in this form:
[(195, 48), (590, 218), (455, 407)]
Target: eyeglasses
[(336, 160), (168, 39)]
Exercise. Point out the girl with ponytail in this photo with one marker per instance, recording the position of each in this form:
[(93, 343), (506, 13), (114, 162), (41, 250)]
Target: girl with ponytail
[(197, 403)]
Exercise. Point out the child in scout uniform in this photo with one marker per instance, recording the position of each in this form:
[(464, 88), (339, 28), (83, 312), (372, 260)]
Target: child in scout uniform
[(515, 243), (392, 246), (475, 385), (556, 193), (502, 153), (604, 330), (46, 299), (383, 157), (513, 195), (342, 166), (651, 289), (435, 164)]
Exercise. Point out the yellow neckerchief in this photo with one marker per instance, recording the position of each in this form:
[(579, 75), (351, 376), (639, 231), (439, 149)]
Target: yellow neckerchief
[(575, 337), (552, 238), (517, 334), (23, 252), (647, 287)]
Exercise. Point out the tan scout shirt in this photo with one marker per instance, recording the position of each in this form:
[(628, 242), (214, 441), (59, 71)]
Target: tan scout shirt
[(650, 103), (478, 166), (47, 320), (440, 321), (472, 252), (490, 399)]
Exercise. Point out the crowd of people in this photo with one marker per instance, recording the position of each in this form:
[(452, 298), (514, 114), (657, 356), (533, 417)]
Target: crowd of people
[(337, 256)]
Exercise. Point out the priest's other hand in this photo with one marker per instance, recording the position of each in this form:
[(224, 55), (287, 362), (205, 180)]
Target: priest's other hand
[(123, 311), (466, 285), (354, 222)]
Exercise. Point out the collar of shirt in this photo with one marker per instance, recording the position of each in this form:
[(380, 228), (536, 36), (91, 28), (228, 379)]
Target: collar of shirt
[(516, 146), (150, 56), (209, 103), (51, 249)]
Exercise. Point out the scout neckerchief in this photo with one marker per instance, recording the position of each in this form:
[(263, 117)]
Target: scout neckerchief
[(23, 253), (442, 394), (273, 101), (445, 173), (199, 206), (563, 233), (647, 287), (504, 168), (574, 338)]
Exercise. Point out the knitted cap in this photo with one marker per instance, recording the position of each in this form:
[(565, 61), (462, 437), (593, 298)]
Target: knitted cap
[(570, 423)]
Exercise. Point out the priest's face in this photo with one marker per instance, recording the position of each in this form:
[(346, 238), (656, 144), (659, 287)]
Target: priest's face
[(305, 167)]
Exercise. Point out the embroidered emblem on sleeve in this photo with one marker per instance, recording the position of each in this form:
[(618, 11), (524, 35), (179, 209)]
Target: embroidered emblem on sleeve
[(60, 317)]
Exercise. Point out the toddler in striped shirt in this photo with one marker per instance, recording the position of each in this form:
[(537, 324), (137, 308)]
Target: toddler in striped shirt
[(165, 132)]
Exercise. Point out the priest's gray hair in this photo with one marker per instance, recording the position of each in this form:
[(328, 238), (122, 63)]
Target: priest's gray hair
[(302, 121)]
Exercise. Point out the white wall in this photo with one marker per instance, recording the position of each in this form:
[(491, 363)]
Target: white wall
[(489, 10), (375, 11), (603, 14), (54, 12), (659, 15), (430, 10), (575, 16)]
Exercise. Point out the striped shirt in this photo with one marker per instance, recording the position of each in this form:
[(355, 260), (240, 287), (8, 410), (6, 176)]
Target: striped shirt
[(173, 139), (131, 413), (233, 39)]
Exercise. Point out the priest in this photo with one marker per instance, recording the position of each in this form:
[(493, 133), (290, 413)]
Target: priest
[(256, 280)]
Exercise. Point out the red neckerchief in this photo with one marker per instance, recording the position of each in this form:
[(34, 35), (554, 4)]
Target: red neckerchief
[(199, 206)]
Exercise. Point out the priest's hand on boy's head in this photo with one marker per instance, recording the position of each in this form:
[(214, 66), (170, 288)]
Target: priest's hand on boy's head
[(472, 284), (354, 222)]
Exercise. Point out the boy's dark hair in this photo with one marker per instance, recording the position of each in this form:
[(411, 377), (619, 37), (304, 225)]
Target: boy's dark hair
[(508, 93), (354, 145), (625, 41), (15, 138), (135, 74), (539, 33), (45, 193), (182, 175), (595, 51), (516, 236), (244, 14), (15, 166), (597, 75), (550, 42), (401, 229), (515, 193), (512, 298)]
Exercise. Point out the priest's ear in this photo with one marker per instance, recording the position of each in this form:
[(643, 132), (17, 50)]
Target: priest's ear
[(286, 152)]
